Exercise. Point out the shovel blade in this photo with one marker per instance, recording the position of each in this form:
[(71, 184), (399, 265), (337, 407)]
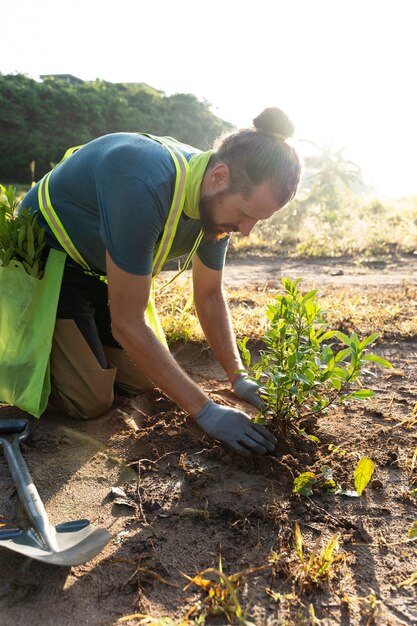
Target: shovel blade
[(74, 547)]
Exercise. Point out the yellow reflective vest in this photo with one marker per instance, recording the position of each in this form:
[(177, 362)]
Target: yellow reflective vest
[(182, 170)]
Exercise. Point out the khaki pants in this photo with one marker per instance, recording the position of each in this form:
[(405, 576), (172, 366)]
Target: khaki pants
[(80, 386)]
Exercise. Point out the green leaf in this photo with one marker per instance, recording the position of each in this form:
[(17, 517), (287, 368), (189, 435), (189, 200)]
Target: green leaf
[(246, 355), (336, 382), (361, 394), (368, 340), (342, 354), (332, 487), (342, 337), (303, 483), (363, 473), (309, 295), (354, 340), (327, 355), (412, 533), (327, 335), (340, 372), (377, 359)]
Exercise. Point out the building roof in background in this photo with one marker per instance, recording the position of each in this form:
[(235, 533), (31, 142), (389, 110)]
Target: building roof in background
[(69, 78)]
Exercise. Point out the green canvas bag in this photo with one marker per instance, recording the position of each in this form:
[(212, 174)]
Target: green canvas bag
[(28, 309)]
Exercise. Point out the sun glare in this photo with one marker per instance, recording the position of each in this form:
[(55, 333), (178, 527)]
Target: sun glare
[(344, 71)]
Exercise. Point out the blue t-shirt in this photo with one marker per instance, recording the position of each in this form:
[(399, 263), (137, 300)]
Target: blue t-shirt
[(115, 193)]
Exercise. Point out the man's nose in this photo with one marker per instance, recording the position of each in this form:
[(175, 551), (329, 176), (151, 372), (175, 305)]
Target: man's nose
[(246, 225)]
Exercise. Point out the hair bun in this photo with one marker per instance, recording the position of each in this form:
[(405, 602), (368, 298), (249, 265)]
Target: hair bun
[(273, 121)]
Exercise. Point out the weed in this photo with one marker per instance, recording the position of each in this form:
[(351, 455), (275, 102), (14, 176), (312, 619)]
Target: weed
[(221, 595), (371, 608), (408, 422), (148, 620), (299, 614), (411, 580), (336, 450), (318, 566), (307, 570)]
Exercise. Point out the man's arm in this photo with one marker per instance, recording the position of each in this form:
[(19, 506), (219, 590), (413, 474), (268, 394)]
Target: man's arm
[(214, 316), (128, 298)]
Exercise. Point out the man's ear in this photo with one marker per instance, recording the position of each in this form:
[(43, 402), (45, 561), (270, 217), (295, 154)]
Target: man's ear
[(219, 177)]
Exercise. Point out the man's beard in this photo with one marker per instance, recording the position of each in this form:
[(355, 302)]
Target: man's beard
[(210, 228)]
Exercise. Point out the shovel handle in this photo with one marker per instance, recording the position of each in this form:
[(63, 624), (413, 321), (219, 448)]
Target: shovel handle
[(13, 427), (23, 481)]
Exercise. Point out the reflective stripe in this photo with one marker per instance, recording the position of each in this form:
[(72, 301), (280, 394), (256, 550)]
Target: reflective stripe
[(186, 264), (70, 151), (182, 168), (55, 223)]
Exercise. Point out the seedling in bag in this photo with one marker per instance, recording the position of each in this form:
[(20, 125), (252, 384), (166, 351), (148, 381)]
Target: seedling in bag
[(21, 239), (305, 367)]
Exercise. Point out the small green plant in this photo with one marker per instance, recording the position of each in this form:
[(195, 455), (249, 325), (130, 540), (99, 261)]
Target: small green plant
[(308, 570), (318, 566), (21, 239), (306, 367), (303, 483)]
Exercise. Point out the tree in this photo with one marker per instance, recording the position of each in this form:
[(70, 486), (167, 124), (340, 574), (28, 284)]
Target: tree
[(39, 121), (329, 176)]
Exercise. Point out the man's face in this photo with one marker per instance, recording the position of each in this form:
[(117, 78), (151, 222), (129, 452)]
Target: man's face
[(223, 212)]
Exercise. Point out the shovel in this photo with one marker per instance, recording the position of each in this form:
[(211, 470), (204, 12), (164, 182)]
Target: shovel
[(70, 543)]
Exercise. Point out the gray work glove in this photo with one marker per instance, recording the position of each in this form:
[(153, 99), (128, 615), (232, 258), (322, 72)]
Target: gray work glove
[(235, 428), (248, 390)]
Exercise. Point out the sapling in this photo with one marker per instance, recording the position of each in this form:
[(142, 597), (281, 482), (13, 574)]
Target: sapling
[(21, 238), (305, 367)]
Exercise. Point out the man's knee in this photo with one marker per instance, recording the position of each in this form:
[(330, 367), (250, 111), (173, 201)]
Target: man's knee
[(79, 407), (80, 386)]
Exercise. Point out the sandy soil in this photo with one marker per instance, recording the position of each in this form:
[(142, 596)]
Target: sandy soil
[(185, 500), (340, 271)]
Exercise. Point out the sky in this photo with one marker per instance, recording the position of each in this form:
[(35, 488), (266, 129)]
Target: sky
[(343, 70)]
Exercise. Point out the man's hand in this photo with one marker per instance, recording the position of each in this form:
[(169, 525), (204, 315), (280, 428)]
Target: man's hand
[(248, 390), (235, 428)]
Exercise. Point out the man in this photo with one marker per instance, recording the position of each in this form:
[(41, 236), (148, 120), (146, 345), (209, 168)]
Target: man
[(114, 205)]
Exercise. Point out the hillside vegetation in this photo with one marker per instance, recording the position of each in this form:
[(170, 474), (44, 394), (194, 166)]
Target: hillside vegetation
[(40, 120)]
